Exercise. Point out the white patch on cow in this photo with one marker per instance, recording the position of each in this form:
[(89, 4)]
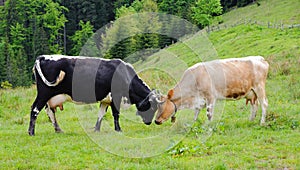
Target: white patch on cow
[(102, 110), (209, 111), (199, 103), (51, 84), (145, 84), (57, 57), (125, 103), (36, 111)]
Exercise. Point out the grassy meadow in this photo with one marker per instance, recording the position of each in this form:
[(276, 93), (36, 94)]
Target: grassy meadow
[(230, 142)]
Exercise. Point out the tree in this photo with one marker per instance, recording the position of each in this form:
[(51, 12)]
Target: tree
[(181, 8), (3, 52), (28, 28), (17, 59), (54, 21), (115, 41), (81, 36), (97, 12), (204, 11)]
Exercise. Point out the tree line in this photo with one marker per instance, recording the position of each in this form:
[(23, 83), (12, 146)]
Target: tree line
[(32, 28)]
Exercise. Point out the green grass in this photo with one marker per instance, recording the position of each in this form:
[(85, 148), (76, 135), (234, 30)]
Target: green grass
[(235, 142), (273, 11)]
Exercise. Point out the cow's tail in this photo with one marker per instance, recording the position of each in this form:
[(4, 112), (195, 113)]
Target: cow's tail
[(59, 78)]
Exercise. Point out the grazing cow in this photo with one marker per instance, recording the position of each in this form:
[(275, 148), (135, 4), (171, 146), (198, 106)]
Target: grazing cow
[(89, 80), (202, 84)]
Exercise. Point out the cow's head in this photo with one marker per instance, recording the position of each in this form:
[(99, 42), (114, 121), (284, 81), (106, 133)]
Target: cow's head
[(148, 107), (166, 108)]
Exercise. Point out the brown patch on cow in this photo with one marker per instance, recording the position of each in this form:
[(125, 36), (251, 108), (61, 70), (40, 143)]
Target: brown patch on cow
[(238, 80), (236, 95), (170, 94)]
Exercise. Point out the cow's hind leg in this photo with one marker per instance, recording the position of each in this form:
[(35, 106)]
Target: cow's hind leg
[(261, 95), (51, 114), (102, 112), (254, 107), (36, 107), (115, 107)]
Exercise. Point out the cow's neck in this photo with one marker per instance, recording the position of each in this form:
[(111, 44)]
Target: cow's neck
[(181, 99), (140, 91)]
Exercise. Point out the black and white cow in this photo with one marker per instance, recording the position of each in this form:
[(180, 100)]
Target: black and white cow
[(89, 80)]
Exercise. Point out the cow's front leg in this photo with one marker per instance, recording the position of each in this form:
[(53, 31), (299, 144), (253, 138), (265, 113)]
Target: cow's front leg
[(197, 110), (115, 107), (210, 108), (51, 114), (254, 107), (102, 112)]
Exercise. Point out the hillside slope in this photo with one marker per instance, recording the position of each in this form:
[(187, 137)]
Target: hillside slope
[(274, 11)]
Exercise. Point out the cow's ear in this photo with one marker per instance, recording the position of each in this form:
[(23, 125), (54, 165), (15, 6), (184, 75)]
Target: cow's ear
[(170, 94)]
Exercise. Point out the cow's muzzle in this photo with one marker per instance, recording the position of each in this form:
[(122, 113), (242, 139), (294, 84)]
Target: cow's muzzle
[(148, 123), (158, 122)]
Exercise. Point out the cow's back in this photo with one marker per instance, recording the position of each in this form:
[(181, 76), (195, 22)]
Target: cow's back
[(228, 78)]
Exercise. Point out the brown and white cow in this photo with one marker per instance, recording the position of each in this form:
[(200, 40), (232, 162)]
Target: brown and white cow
[(204, 83)]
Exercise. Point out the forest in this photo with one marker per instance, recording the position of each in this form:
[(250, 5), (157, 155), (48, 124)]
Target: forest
[(32, 28)]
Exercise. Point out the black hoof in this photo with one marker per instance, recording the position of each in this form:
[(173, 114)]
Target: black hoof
[(118, 130), (59, 131), (31, 133)]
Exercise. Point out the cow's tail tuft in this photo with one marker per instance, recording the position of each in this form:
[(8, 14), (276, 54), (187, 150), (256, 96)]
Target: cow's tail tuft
[(37, 67)]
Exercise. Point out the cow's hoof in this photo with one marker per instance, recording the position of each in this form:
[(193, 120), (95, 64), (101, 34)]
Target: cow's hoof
[(263, 124), (31, 132), (173, 119), (59, 131), (96, 130), (118, 130), (251, 119), (209, 116)]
